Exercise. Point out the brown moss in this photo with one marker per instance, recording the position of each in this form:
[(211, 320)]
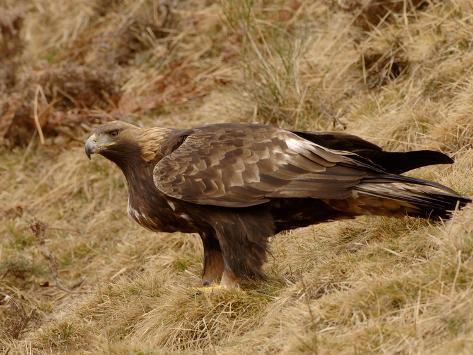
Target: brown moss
[(370, 13), (379, 68)]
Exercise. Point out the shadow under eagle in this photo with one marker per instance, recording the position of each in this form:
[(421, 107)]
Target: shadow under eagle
[(238, 184)]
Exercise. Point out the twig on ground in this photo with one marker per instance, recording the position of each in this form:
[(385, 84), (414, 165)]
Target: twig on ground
[(39, 230)]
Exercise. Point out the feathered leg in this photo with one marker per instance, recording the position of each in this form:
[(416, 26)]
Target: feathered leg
[(243, 240), (235, 244), (213, 260)]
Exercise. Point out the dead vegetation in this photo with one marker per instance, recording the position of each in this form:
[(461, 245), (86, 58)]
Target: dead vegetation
[(371, 13), (11, 45), (76, 275), (62, 101)]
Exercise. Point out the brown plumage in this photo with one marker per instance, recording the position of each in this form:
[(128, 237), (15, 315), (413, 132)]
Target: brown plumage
[(238, 184)]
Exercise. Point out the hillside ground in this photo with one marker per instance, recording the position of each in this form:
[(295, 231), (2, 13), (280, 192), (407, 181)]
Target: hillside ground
[(78, 276)]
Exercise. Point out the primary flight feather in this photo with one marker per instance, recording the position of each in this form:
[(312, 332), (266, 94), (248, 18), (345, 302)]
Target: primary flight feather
[(238, 184)]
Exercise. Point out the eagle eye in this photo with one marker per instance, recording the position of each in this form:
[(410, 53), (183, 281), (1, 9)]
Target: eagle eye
[(114, 133)]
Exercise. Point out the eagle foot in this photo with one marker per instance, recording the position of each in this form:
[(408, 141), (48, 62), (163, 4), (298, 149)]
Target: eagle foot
[(215, 288)]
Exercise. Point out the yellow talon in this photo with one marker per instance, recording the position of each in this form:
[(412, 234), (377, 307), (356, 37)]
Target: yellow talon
[(209, 289)]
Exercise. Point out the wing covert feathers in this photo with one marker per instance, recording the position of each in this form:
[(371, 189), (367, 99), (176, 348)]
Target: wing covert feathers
[(241, 166), (233, 165)]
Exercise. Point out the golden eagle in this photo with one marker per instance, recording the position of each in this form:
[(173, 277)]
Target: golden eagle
[(238, 184)]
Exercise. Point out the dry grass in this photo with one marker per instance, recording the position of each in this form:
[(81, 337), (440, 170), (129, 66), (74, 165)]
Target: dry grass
[(92, 281)]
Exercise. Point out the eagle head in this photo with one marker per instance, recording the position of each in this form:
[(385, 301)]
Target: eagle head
[(123, 142), (112, 139)]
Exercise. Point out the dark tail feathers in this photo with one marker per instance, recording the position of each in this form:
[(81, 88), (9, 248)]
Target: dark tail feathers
[(392, 162), (400, 162), (416, 197)]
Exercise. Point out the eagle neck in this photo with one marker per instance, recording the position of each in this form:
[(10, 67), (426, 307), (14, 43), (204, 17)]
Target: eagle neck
[(139, 176)]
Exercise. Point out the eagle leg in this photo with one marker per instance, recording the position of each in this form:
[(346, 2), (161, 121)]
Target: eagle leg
[(213, 260), (243, 255), (229, 279), (241, 241)]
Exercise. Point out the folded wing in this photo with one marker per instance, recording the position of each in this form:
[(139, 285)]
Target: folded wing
[(241, 166)]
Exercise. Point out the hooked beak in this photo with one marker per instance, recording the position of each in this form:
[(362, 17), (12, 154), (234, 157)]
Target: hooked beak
[(91, 145)]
